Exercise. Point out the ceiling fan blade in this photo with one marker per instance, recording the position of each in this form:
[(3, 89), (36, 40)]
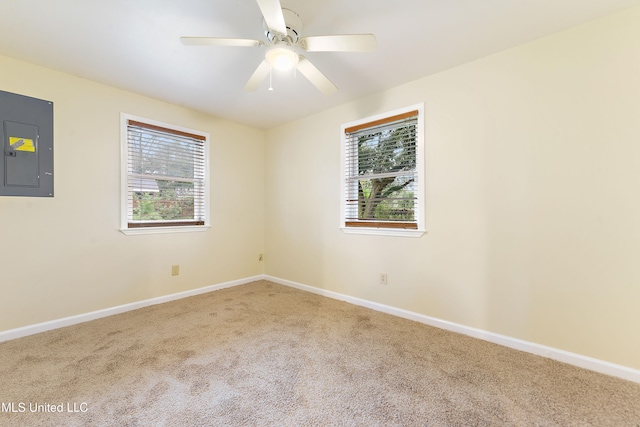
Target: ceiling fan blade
[(219, 41), (314, 75), (272, 14), (258, 76), (340, 43)]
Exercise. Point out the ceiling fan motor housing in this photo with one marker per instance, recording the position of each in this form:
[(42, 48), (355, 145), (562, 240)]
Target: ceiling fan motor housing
[(294, 29)]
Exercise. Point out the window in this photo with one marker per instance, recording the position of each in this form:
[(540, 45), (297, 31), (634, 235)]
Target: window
[(383, 174), (164, 177)]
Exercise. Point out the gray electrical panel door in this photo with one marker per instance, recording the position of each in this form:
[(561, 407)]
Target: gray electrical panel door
[(26, 167)]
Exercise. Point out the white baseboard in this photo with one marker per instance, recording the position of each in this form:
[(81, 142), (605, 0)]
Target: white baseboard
[(579, 360), (85, 317)]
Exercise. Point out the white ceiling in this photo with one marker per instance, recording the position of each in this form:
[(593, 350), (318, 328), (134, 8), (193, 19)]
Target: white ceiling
[(134, 45)]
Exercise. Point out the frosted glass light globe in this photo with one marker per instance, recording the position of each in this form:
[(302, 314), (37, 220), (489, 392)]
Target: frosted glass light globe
[(282, 58)]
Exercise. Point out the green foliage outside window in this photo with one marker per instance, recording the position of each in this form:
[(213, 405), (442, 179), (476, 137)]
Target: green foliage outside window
[(173, 201), (389, 153)]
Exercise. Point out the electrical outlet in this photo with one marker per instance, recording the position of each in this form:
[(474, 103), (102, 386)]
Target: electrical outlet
[(383, 278), (260, 257), (175, 270)]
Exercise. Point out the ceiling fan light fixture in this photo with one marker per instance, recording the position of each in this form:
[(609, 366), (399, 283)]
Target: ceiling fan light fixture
[(282, 58)]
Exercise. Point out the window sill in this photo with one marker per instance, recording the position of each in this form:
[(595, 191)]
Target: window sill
[(165, 230), (397, 232)]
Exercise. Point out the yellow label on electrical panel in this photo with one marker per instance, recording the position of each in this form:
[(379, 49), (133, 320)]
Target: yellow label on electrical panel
[(22, 144)]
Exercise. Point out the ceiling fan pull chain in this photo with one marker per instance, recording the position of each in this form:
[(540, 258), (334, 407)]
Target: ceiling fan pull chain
[(270, 81)]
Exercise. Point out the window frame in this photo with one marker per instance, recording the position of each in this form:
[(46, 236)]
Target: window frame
[(391, 228), (124, 177)]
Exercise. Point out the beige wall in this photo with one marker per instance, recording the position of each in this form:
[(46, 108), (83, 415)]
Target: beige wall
[(533, 196), (63, 256)]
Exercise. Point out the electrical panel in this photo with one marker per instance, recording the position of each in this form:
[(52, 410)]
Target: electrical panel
[(26, 167)]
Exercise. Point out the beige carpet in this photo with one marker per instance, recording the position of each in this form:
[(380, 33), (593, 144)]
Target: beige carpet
[(265, 354)]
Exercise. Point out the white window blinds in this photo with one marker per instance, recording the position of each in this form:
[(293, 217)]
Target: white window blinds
[(165, 176), (381, 173)]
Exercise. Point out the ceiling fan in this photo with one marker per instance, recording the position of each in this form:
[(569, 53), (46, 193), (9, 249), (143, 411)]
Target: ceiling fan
[(283, 28)]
